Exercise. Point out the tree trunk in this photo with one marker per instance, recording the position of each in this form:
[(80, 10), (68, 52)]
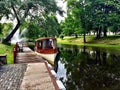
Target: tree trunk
[(76, 36), (8, 38), (105, 31), (98, 33), (94, 32)]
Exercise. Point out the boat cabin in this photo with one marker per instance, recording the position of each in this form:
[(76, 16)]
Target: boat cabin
[(46, 45)]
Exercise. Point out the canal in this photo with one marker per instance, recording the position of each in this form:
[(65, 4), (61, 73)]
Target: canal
[(87, 68)]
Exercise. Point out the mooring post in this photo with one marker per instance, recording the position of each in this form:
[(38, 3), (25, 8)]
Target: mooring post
[(3, 59), (14, 52)]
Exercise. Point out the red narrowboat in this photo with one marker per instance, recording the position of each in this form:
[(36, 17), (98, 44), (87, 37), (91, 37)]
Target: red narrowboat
[(47, 48)]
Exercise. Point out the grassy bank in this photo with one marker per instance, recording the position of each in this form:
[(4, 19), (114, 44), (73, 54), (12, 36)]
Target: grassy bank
[(8, 50), (108, 42)]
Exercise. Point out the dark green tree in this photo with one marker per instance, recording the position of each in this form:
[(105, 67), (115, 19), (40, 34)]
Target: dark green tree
[(51, 26), (22, 10), (77, 11), (104, 14), (68, 26), (33, 31)]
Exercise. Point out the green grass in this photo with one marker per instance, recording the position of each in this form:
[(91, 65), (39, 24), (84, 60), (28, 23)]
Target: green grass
[(108, 42), (8, 50)]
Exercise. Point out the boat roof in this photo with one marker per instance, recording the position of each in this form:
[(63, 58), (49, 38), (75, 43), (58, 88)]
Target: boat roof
[(44, 38)]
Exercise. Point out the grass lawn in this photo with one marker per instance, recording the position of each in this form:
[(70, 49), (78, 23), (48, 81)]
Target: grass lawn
[(108, 42), (8, 50)]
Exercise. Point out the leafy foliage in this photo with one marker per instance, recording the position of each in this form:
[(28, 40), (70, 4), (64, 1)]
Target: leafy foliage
[(51, 26), (5, 28), (24, 10), (32, 31), (92, 15), (41, 27), (8, 50)]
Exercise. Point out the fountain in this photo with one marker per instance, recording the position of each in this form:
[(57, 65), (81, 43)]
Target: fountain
[(17, 37)]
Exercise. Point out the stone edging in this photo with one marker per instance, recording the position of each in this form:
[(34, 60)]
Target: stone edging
[(54, 80)]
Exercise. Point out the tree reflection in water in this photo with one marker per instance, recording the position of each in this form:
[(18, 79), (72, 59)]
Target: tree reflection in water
[(89, 69), (60, 68)]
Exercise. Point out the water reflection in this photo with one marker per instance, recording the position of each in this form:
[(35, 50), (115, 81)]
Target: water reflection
[(59, 68), (83, 68)]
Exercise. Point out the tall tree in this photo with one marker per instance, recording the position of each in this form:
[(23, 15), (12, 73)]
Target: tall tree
[(77, 9), (22, 10), (41, 27), (51, 26), (68, 26), (97, 15), (32, 31), (103, 14)]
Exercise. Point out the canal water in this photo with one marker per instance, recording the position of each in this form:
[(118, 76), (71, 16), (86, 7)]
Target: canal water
[(87, 68)]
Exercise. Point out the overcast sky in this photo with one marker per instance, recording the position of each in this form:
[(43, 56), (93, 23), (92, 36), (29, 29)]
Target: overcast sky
[(60, 3), (63, 5)]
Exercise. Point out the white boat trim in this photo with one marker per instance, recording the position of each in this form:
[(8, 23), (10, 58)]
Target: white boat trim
[(49, 57)]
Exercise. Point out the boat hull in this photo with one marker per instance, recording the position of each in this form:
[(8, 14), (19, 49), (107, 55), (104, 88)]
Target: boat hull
[(49, 57)]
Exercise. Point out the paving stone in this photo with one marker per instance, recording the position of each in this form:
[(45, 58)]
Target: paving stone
[(28, 56), (11, 76), (36, 77), (29, 74)]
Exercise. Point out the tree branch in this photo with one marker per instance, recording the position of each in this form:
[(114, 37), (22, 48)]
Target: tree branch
[(15, 13)]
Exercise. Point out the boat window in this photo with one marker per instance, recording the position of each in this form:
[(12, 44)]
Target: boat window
[(47, 44), (39, 44), (50, 43)]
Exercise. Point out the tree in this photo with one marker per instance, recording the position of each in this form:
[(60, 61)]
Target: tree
[(77, 10), (68, 26), (87, 15), (22, 10), (51, 26), (5, 28), (39, 27), (33, 31), (103, 14)]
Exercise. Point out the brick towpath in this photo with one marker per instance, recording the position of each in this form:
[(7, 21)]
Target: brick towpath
[(37, 78), (11, 76), (28, 56), (30, 73)]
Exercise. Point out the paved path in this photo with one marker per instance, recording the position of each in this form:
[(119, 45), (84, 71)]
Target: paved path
[(37, 78), (11, 76), (30, 73), (28, 56)]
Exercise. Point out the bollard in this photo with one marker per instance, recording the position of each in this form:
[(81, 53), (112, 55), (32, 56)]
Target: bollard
[(3, 59), (17, 47), (14, 52)]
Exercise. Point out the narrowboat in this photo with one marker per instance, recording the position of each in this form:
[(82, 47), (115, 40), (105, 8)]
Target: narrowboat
[(46, 48)]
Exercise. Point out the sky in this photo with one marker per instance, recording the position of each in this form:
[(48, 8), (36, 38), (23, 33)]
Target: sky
[(62, 5)]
